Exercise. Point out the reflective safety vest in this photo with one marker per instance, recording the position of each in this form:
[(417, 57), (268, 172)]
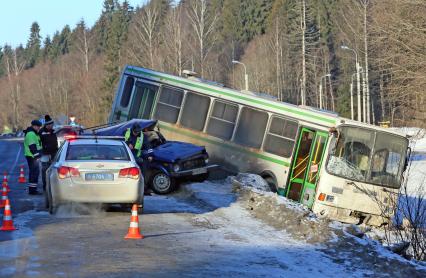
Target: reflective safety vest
[(31, 138), (139, 141)]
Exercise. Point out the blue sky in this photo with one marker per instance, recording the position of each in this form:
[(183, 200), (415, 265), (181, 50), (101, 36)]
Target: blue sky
[(16, 16)]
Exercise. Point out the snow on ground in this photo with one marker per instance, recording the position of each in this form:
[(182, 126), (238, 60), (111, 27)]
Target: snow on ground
[(283, 232)]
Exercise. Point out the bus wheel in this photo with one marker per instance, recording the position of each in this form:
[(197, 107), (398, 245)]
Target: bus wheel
[(271, 183), (161, 183)]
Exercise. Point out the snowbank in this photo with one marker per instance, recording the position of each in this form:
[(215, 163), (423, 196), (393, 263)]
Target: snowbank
[(252, 181)]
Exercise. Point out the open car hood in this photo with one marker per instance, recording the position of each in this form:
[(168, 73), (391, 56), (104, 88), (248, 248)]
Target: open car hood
[(173, 150), (168, 152), (120, 128)]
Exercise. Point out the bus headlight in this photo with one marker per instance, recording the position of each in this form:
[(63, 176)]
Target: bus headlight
[(176, 168)]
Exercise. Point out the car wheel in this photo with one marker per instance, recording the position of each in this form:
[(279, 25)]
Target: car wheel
[(161, 183), (51, 204), (46, 200)]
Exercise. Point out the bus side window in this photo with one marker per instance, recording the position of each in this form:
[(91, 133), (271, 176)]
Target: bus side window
[(195, 111), (222, 120), (251, 127), (280, 137), (127, 92), (169, 104)]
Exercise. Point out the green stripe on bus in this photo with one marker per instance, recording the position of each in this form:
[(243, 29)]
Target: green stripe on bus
[(199, 86), (258, 155)]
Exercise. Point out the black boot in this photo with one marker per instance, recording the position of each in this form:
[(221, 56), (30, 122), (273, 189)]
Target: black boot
[(32, 189)]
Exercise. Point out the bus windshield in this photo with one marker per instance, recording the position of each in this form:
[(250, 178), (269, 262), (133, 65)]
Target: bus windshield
[(369, 156)]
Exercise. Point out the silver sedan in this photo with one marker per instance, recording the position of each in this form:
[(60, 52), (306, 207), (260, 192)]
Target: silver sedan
[(94, 171)]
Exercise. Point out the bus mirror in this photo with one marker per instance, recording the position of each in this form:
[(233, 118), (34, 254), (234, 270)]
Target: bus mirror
[(407, 158)]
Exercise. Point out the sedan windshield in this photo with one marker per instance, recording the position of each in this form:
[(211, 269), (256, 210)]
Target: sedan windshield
[(97, 152), (368, 156)]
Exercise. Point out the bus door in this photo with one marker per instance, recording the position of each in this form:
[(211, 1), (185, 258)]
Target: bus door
[(143, 101), (306, 166)]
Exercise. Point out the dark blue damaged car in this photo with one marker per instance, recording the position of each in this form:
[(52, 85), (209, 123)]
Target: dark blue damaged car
[(166, 162)]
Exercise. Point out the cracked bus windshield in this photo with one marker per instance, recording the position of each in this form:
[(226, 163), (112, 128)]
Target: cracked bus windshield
[(368, 156)]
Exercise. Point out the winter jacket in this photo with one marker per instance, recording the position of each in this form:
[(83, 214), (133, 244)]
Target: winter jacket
[(49, 141), (32, 143), (136, 141)]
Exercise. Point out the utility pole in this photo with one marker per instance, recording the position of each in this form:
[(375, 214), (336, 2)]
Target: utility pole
[(358, 88), (358, 77), (303, 29), (366, 82), (245, 73), (352, 95), (364, 97)]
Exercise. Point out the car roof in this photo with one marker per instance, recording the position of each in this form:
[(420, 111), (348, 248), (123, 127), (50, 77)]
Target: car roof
[(96, 142)]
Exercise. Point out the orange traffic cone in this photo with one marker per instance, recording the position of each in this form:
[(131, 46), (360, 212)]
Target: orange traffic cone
[(7, 218), (22, 175), (5, 181), (3, 197), (133, 232)]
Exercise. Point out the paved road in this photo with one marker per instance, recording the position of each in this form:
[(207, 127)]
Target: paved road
[(206, 234)]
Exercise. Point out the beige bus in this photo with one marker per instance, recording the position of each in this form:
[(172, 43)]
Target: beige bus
[(342, 169)]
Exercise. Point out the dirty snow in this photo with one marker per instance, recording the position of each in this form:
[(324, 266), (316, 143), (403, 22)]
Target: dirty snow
[(294, 228), (253, 181)]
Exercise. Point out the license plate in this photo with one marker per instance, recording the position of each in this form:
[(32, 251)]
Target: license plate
[(99, 177), (199, 171)]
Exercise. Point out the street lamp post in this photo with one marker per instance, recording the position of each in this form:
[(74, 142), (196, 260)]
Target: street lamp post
[(357, 78), (320, 89), (245, 73), (352, 96)]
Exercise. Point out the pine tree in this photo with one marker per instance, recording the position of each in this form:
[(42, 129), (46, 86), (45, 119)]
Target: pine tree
[(117, 35), (1, 62), (33, 45), (47, 47), (254, 17), (55, 47), (65, 40), (101, 28)]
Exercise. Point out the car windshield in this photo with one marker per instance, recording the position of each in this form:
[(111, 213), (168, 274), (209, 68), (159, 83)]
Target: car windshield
[(97, 152), (368, 156)]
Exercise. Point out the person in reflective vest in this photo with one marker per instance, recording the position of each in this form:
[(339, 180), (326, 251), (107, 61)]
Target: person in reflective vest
[(134, 139), (32, 151)]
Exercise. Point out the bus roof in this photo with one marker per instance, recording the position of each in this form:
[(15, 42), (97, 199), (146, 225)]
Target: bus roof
[(309, 114)]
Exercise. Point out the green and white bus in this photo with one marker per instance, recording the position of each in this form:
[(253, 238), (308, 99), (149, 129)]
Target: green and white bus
[(342, 169)]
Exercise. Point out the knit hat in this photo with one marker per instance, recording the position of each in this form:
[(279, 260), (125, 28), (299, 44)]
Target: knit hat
[(48, 120), (36, 123)]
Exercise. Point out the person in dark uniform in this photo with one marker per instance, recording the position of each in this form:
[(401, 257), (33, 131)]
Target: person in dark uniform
[(32, 148), (49, 142), (135, 139)]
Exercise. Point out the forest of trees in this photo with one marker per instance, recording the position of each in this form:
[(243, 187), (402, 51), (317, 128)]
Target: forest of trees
[(291, 48)]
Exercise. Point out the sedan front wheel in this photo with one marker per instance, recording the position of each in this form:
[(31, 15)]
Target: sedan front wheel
[(161, 183)]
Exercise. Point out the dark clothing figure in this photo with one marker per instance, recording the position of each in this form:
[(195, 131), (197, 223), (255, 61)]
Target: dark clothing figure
[(49, 142), (32, 151), (34, 172)]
